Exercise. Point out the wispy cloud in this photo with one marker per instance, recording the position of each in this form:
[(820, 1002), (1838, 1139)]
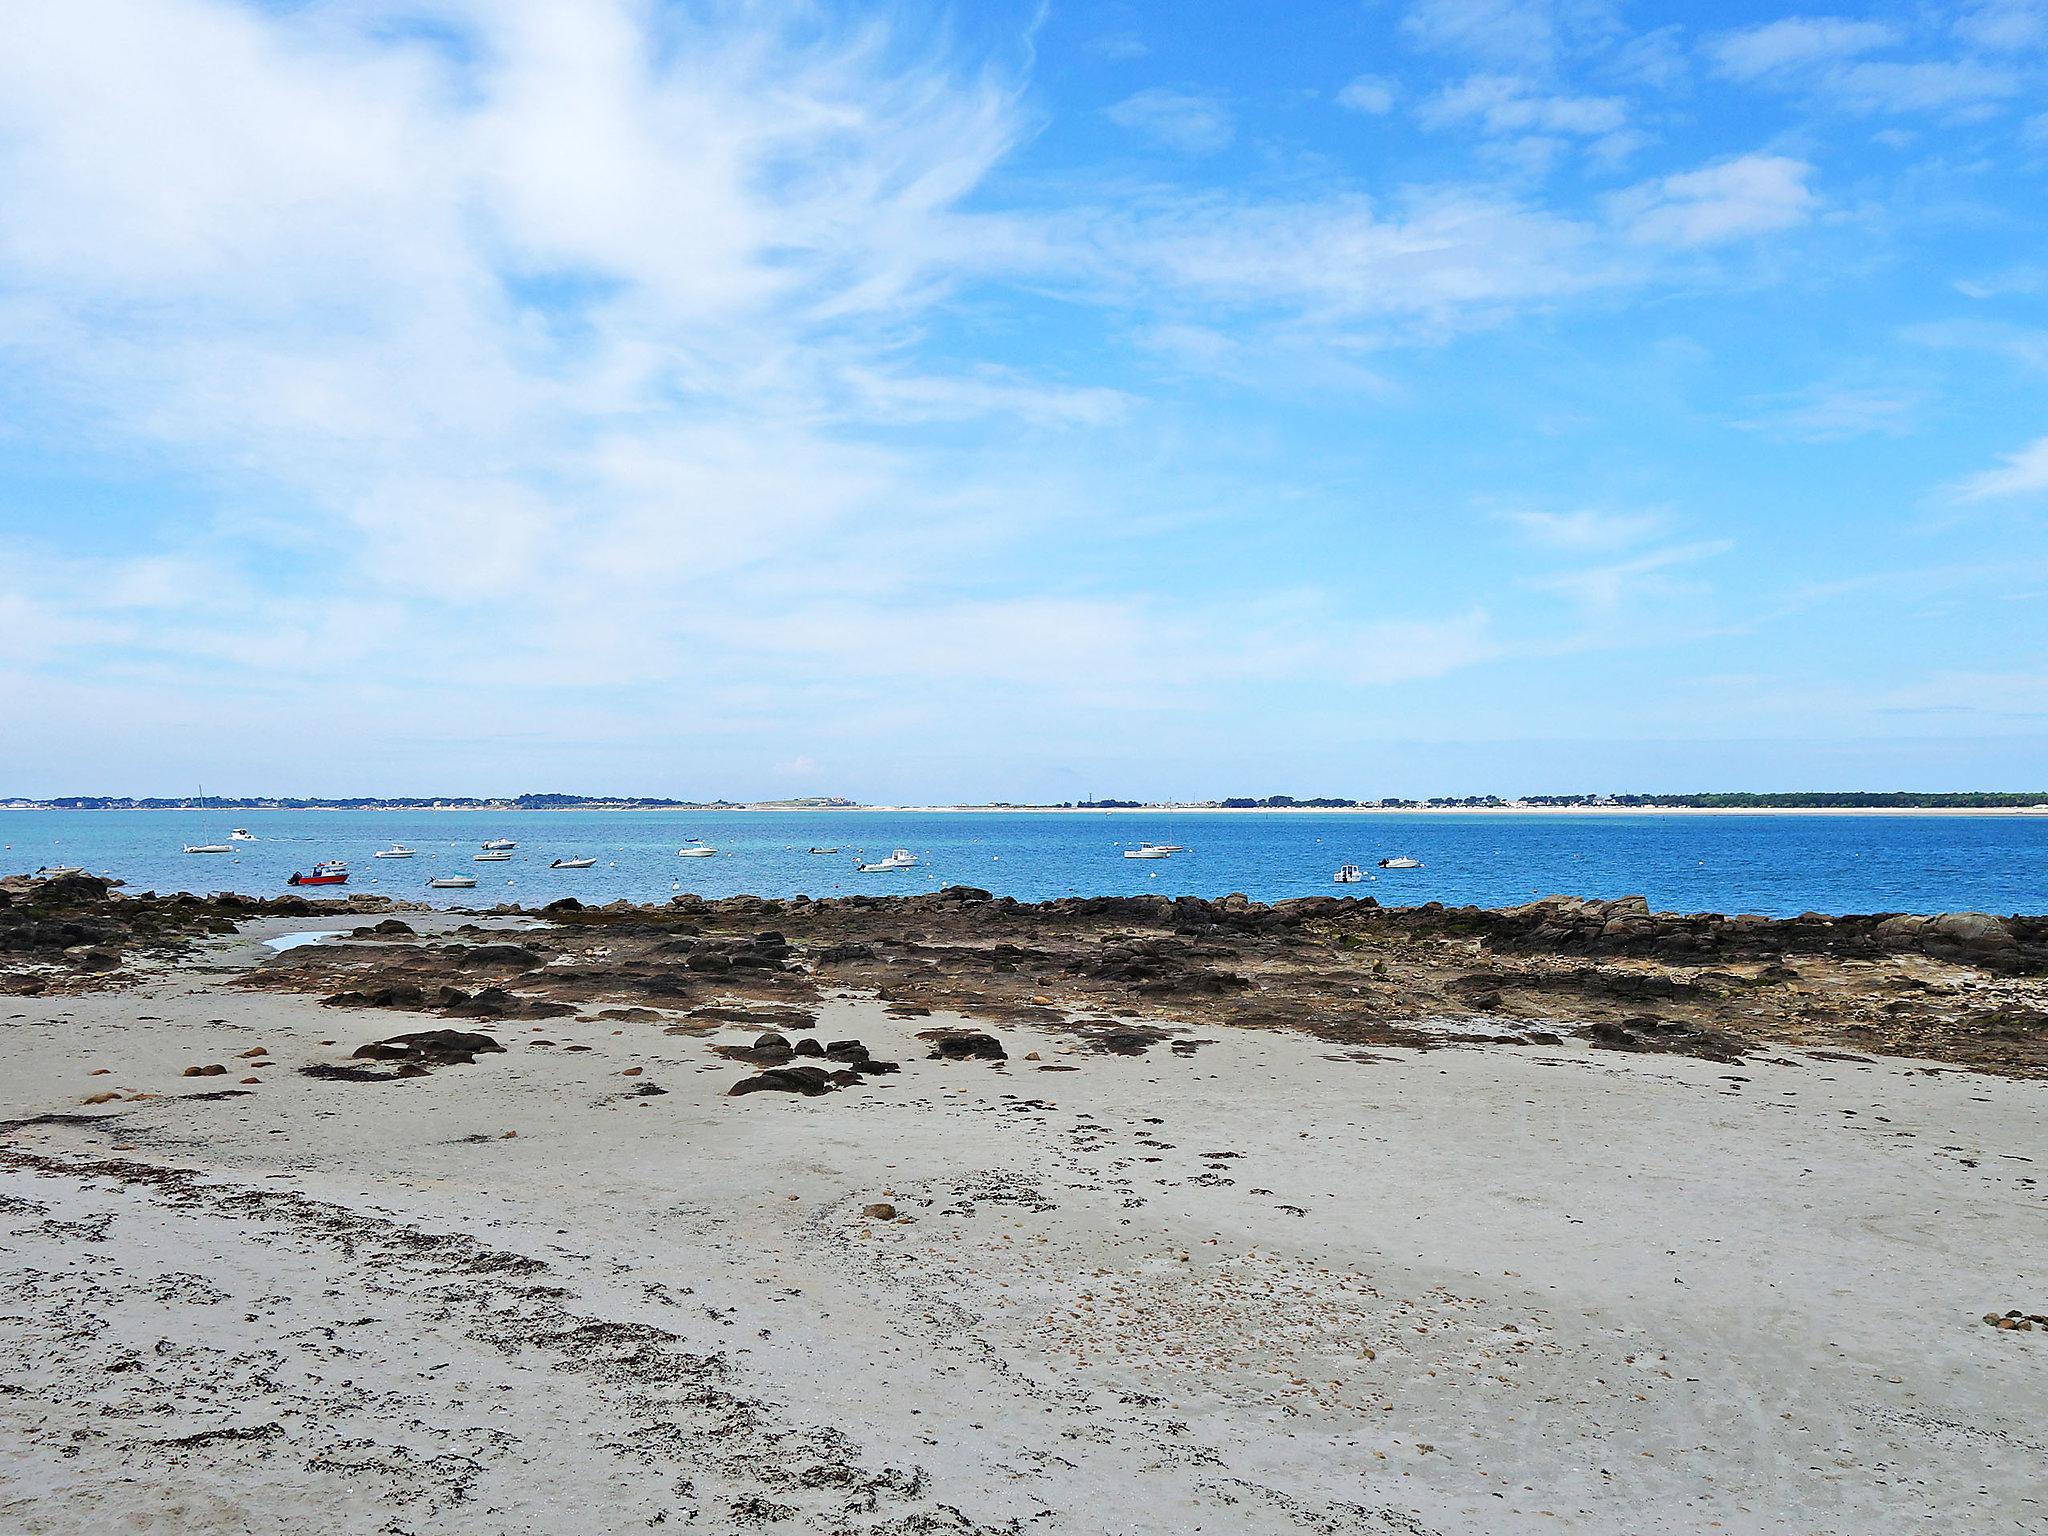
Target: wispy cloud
[(2024, 473), (1603, 590), (1826, 58), (1795, 43), (1503, 104), (1528, 34), (1371, 94), (1829, 413), (1587, 530), (1749, 195), (1193, 125), (2004, 25)]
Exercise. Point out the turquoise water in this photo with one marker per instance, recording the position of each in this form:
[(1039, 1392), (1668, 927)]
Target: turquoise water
[(1771, 864)]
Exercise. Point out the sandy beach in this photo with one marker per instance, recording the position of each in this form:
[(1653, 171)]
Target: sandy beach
[(1241, 1281)]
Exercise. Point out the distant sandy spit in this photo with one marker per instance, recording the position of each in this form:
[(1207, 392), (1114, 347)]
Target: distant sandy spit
[(1465, 810), (2040, 811)]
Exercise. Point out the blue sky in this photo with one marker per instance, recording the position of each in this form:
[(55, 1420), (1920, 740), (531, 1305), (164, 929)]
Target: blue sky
[(932, 401)]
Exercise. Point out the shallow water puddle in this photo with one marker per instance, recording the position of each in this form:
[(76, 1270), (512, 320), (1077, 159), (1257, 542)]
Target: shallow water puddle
[(285, 941)]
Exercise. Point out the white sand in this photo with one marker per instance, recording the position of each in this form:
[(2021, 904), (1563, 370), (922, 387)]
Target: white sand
[(1474, 1290)]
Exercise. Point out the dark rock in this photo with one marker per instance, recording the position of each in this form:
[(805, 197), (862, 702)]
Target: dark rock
[(964, 1045), (498, 954), (1669, 1038), (430, 1047), (809, 1081)]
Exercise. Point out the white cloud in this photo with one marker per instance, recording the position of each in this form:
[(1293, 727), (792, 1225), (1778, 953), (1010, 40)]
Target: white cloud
[(1830, 413), (1441, 258), (1371, 94), (1503, 104), (2004, 25), (1823, 57), (1587, 529), (1194, 125), (1527, 34), (1879, 85), (1604, 590), (1749, 195), (2018, 474), (1796, 42)]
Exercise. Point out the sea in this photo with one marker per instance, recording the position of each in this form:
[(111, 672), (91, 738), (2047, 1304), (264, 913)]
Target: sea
[(1777, 865)]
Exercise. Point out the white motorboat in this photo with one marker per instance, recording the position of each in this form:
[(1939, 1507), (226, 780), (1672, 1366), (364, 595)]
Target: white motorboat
[(492, 858), (1147, 851), (208, 848), (1400, 861), (901, 858), (695, 851), (824, 850), (395, 851), (241, 835), (1165, 847), (1348, 874), (452, 882), (572, 863), (499, 845)]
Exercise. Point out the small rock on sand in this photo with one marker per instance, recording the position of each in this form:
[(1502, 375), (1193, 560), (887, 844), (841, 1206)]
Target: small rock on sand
[(212, 1069), (881, 1210)]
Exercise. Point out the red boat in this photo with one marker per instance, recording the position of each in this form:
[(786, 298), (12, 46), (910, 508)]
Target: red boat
[(333, 872)]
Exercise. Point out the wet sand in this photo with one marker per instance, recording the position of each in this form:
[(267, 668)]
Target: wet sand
[(1245, 1281)]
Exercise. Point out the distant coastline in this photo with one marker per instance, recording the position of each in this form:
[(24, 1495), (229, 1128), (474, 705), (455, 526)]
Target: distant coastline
[(1818, 804)]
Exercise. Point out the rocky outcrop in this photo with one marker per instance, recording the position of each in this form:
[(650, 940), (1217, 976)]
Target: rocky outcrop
[(1666, 1037), (964, 1045)]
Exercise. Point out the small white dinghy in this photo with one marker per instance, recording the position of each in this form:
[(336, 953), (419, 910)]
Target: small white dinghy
[(1348, 874), (499, 845), (208, 848), (572, 863), (452, 882), (491, 858), (56, 871), (241, 835), (1400, 861), (395, 851)]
